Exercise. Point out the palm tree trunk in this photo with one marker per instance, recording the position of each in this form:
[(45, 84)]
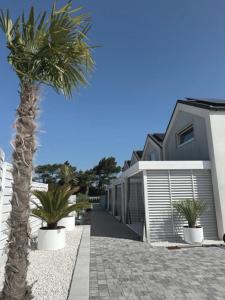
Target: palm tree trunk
[(15, 285)]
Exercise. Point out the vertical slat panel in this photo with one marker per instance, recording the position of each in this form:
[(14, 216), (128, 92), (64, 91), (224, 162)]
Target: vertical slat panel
[(203, 190), (159, 205), (181, 189)]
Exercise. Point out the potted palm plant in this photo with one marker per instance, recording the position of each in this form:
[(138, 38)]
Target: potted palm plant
[(191, 210), (54, 206)]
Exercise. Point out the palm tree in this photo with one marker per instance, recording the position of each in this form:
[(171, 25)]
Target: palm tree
[(85, 180), (48, 49), (67, 175)]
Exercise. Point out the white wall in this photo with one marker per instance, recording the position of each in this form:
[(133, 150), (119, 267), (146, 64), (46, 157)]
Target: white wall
[(197, 149), (5, 207), (216, 140), (215, 133)]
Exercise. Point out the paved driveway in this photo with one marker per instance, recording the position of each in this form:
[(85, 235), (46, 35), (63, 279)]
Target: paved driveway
[(124, 268)]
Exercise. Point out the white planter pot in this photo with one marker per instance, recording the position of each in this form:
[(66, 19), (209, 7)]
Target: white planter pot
[(51, 239), (72, 199), (68, 222), (193, 235)]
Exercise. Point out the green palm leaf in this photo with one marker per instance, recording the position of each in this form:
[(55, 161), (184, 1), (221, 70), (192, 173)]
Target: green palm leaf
[(54, 205), (52, 50), (190, 209)]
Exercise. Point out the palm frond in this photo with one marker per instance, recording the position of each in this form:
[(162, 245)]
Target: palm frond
[(190, 209), (54, 204), (50, 49), (67, 175)]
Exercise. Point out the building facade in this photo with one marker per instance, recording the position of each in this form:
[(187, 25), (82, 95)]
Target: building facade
[(185, 162)]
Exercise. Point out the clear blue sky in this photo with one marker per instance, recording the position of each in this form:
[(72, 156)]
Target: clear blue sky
[(154, 51)]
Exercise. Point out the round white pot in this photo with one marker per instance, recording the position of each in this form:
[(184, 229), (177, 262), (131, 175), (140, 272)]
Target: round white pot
[(72, 199), (51, 239), (68, 222), (193, 235)]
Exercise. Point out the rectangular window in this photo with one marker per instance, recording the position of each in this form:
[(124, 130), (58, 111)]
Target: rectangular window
[(185, 135)]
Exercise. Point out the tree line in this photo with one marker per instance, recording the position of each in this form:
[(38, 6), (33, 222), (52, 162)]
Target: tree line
[(91, 182)]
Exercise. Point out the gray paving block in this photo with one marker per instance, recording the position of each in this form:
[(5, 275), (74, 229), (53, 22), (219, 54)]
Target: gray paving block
[(134, 270)]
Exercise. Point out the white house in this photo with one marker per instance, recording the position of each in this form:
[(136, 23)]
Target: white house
[(187, 161)]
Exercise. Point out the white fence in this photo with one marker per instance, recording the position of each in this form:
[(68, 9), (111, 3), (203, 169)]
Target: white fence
[(5, 206)]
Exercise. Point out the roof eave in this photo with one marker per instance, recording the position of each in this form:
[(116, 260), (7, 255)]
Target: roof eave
[(155, 140), (200, 105)]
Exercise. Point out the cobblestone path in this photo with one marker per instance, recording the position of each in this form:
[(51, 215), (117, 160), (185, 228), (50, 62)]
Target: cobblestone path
[(123, 268)]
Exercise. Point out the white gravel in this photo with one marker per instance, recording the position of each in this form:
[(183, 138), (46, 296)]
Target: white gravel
[(51, 271)]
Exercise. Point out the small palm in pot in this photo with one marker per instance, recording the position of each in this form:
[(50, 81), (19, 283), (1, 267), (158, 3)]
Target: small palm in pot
[(54, 206), (191, 209)]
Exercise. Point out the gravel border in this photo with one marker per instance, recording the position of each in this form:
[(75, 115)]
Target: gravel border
[(51, 271)]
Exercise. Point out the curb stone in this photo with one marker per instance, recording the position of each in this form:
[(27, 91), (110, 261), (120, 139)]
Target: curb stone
[(79, 288)]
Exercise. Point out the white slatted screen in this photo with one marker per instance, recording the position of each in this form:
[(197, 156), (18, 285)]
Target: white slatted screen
[(166, 186)]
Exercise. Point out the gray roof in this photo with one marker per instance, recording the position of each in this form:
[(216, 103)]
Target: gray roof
[(126, 162), (157, 137), (205, 103), (138, 154)]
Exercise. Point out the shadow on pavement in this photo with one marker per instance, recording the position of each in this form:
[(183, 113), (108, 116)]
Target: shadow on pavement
[(105, 225)]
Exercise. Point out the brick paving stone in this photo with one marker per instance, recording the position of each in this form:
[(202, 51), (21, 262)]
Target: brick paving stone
[(123, 268)]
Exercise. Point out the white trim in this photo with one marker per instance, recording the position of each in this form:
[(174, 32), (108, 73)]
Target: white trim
[(145, 187), (132, 170), (183, 131), (185, 143), (166, 165), (193, 186), (171, 202)]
